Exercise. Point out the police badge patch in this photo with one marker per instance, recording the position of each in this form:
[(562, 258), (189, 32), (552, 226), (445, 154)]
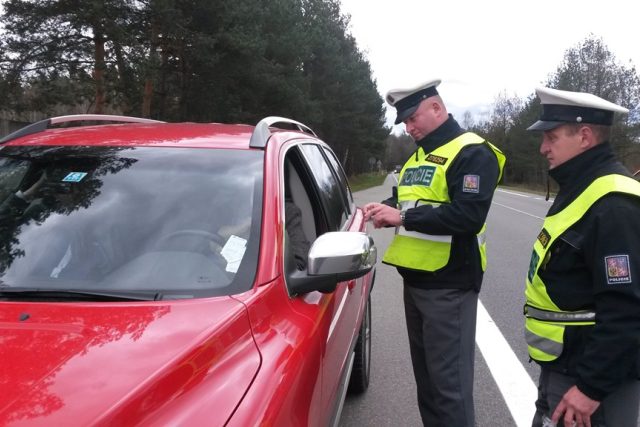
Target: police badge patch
[(471, 184), (618, 270), (544, 238), (439, 160)]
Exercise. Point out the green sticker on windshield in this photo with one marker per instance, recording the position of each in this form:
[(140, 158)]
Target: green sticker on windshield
[(74, 176)]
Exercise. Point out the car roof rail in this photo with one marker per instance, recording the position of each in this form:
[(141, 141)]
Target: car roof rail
[(45, 124), (261, 134)]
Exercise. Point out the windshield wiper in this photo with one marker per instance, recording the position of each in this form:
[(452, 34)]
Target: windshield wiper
[(37, 294)]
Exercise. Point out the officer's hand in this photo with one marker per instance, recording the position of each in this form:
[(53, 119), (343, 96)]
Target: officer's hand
[(576, 407), (383, 215), (368, 208)]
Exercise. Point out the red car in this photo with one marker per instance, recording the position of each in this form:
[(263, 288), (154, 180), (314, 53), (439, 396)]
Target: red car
[(147, 276)]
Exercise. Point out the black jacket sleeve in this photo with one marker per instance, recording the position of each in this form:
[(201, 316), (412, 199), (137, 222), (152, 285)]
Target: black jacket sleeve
[(612, 250), (469, 206)]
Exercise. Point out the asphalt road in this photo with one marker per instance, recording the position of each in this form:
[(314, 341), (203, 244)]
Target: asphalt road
[(503, 397)]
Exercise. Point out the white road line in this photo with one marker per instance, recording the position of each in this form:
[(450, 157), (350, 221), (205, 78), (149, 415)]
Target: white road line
[(517, 388), (511, 192), (524, 195), (517, 210)]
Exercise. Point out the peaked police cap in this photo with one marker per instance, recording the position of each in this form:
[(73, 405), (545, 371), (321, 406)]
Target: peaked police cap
[(407, 100), (560, 107)]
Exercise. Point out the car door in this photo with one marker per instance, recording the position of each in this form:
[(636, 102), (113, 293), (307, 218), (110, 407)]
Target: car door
[(344, 303)]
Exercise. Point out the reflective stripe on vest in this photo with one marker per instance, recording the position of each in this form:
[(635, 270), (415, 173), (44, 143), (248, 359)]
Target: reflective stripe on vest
[(545, 321), (545, 346), (482, 235), (423, 181), (555, 316), (415, 234)]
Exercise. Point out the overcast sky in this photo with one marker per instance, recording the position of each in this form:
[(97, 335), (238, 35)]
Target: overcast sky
[(483, 48)]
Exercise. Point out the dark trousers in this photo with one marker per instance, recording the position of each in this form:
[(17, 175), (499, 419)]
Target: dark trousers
[(619, 409), (442, 329)]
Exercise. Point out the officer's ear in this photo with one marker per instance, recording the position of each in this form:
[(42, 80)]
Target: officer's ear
[(587, 137)]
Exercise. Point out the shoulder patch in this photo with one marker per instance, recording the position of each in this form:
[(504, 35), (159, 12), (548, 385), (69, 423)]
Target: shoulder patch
[(618, 269), (471, 184), (436, 159)]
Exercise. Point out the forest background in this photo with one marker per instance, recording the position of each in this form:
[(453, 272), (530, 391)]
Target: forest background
[(237, 62)]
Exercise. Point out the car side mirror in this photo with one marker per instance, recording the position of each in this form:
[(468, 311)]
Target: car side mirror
[(334, 257)]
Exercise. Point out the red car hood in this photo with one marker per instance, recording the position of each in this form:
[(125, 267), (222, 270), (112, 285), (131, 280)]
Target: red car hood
[(70, 364)]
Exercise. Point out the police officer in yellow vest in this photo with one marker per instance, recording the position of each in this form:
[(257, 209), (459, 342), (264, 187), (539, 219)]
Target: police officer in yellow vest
[(583, 287), (443, 197)]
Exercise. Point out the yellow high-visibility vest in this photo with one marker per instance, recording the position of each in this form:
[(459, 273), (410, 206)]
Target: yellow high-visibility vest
[(423, 181), (545, 321)]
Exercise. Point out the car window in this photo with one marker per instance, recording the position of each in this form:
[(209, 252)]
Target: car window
[(330, 188), (341, 176), (182, 222)]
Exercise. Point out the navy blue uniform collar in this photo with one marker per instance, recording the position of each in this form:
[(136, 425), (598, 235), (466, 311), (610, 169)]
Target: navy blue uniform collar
[(576, 174), (584, 166)]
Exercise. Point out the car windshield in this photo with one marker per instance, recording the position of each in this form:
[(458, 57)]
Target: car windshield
[(178, 222)]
